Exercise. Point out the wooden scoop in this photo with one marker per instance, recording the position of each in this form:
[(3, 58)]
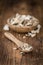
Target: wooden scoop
[(24, 47)]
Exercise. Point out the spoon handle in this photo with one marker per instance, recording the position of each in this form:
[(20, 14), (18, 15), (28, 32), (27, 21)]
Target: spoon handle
[(13, 38)]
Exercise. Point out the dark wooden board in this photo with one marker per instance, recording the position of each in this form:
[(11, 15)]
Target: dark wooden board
[(7, 53)]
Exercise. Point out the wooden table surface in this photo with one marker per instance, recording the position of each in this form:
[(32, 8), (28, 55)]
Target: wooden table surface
[(8, 56)]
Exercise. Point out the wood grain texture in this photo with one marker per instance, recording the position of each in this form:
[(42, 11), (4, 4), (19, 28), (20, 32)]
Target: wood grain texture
[(8, 56)]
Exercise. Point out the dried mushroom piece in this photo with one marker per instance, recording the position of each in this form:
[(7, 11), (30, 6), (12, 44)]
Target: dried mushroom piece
[(6, 27), (29, 23)]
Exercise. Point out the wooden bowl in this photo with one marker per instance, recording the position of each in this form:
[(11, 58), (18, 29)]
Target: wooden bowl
[(19, 29)]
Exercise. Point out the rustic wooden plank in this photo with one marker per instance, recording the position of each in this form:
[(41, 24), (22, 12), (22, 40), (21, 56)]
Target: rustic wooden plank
[(7, 54)]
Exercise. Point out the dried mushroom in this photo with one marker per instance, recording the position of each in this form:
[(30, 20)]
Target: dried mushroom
[(24, 20)]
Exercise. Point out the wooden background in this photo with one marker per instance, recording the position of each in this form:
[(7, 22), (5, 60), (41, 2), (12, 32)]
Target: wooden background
[(8, 56)]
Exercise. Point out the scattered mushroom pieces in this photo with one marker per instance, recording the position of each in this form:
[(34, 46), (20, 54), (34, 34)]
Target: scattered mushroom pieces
[(32, 34), (37, 30), (6, 27), (24, 37)]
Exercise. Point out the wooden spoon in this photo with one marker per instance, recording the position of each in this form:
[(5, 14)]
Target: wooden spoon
[(24, 47)]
